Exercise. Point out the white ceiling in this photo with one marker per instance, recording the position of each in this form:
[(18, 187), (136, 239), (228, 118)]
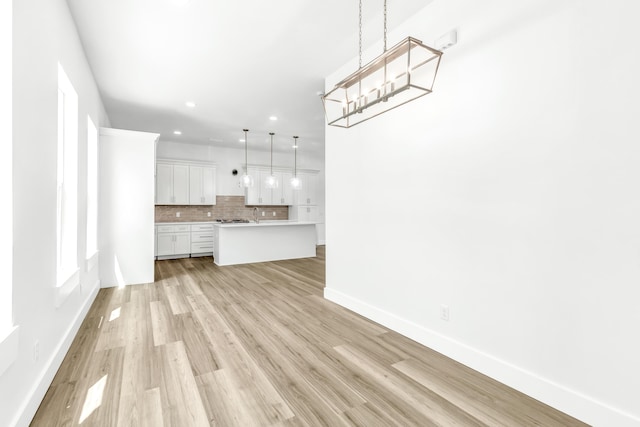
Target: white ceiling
[(240, 61)]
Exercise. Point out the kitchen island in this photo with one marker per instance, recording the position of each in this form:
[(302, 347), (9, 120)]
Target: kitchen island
[(243, 243)]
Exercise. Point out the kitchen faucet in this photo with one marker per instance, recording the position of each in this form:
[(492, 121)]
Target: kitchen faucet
[(255, 215)]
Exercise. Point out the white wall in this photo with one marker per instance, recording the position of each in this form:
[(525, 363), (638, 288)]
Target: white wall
[(43, 34), (126, 205), (9, 335), (510, 194)]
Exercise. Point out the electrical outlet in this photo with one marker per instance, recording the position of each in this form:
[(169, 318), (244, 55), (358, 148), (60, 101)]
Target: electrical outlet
[(208, 213), (262, 213), (444, 312), (274, 214), (177, 214), (36, 351)]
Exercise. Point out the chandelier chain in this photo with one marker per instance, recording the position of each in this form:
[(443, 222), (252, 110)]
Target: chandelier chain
[(360, 35), (385, 25)]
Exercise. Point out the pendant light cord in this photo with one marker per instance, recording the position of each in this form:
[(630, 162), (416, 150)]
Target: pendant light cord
[(295, 157), (245, 151), (271, 133)]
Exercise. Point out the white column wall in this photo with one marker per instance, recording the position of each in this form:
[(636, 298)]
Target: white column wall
[(510, 194), (126, 207)]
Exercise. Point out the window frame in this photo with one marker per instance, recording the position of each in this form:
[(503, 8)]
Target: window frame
[(67, 271)]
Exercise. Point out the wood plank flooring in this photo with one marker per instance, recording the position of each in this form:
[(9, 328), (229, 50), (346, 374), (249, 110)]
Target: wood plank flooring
[(257, 345)]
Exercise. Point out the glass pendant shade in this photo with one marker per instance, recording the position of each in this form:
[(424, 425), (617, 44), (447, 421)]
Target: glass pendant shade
[(296, 183), (271, 182), (401, 74), (247, 180)]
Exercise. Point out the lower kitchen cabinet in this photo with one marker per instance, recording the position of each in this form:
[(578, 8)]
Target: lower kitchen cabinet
[(201, 240), (173, 241), (184, 240)]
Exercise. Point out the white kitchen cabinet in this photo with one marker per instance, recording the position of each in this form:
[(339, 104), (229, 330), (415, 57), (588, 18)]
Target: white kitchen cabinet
[(172, 184), (304, 213), (252, 193), (201, 239), (202, 185), (173, 241), (259, 194), (308, 192), (283, 195)]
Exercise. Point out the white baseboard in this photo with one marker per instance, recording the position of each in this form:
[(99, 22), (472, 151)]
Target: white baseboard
[(555, 395), (39, 389)]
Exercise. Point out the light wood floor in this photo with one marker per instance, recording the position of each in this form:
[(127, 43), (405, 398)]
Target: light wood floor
[(257, 345)]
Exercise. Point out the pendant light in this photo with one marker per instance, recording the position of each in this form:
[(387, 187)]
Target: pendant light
[(271, 181), (401, 74), (295, 181), (247, 180)]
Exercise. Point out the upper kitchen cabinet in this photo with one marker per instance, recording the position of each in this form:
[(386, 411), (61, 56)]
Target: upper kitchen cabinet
[(259, 194), (172, 184), (307, 195), (185, 183), (284, 193), (252, 194), (202, 185)]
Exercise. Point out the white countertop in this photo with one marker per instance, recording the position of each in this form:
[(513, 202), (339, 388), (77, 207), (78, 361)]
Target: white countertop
[(184, 222), (264, 223), (273, 223)]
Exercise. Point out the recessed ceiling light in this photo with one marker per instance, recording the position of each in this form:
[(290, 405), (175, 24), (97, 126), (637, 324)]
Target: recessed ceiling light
[(177, 132), (273, 118), (190, 104)]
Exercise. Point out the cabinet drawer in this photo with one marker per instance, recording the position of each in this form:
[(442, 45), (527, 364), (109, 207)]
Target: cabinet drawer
[(197, 248), (201, 227), (173, 228), (202, 236)]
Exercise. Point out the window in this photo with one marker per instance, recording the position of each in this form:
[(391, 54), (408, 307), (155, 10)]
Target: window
[(67, 187), (92, 191)]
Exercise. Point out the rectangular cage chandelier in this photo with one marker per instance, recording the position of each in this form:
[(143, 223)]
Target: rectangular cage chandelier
[(401, 74)]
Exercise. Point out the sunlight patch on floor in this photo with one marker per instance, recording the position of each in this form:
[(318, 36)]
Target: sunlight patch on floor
[(93, 399)]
